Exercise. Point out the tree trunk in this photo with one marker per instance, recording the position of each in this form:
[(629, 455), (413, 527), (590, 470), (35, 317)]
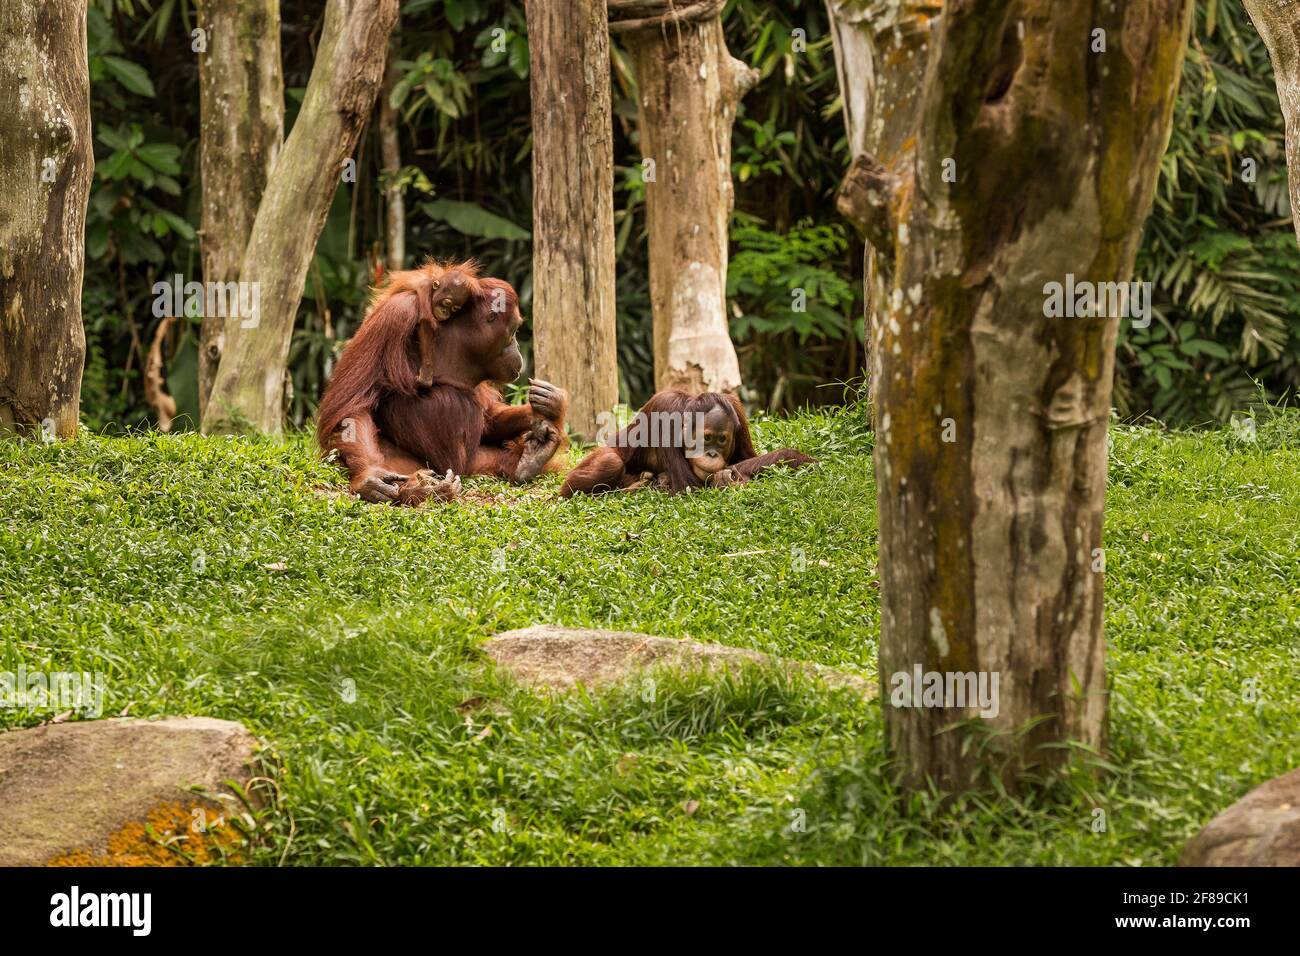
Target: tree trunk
[(573, 206), (881, 51), (688, 88), (241, 131), (852, 40), (46, 164), (250, 384), (390, 150), (990, 416), (1278, 23)]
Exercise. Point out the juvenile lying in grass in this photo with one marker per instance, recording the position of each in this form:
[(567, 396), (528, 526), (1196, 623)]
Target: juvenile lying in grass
[(678, 442)]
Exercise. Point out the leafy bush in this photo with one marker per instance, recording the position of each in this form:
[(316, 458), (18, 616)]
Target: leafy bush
[(783, 297), (1219, 246)]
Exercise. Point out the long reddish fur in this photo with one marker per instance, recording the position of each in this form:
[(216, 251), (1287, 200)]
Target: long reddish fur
[(377, 361)]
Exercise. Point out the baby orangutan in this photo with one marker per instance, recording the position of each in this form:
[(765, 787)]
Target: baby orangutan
[(677, 442)]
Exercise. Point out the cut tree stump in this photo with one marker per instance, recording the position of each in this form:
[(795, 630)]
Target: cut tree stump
[(560, 658), (65, 789), (1260, 829)]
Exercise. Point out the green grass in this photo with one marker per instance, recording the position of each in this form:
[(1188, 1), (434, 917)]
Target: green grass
[(145, 558)]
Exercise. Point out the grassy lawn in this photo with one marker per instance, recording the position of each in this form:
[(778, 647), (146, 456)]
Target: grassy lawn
[(147, 558)]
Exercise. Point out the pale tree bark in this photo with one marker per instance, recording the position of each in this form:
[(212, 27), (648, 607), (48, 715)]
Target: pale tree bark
[(1278, 23), (241, 131), (46, 164), (249, 389), (881, 51), (688, 88), (573, 206), (1035, 158), (853, 36), (390, 151), (390, 154), (156, 395)]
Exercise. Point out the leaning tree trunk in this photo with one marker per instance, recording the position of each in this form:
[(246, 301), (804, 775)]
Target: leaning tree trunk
[(688, 88), (46, 163), (573, 205), (991, 417), (1278, 23), (250, 384), (881, 51), (241, 130)]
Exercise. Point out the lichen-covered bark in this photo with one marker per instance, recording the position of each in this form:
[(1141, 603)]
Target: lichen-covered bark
[(241, 130), (688, 88), (250, 385), (852, 39), (1278, 23), (573, 206), (989, 541), (46, 164), (881, 52)]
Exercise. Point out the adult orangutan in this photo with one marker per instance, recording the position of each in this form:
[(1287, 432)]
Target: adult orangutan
[(418, 389), (678, 442)]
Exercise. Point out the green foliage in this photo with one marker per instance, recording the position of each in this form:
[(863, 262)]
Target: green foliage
[(470, 219), (122, 216), (788, 301), (777, 282), (1219, 248), (436, 83), (142, 215), (764, 152)]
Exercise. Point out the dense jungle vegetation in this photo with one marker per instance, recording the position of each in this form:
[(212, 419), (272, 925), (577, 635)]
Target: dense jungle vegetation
[(1219, 247)]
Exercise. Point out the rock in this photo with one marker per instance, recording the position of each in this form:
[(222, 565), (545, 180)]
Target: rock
[(67, 788), (562, 657), (1260, 829)]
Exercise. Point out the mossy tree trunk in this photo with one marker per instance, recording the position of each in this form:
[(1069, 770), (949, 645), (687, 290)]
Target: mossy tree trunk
[(241, 131), (1278, 23), (573, 206), (688, 87), (249, 388), (46, 164), (1034, 158)]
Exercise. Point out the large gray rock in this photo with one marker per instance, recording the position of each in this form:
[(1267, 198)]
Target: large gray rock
[(1260, 829), (68, 787), (563, 657)]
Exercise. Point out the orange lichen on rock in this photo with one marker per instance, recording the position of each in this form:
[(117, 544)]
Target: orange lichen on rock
[(171, 835)]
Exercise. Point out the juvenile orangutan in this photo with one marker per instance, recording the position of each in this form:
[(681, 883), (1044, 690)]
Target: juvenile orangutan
[(679, 441)]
